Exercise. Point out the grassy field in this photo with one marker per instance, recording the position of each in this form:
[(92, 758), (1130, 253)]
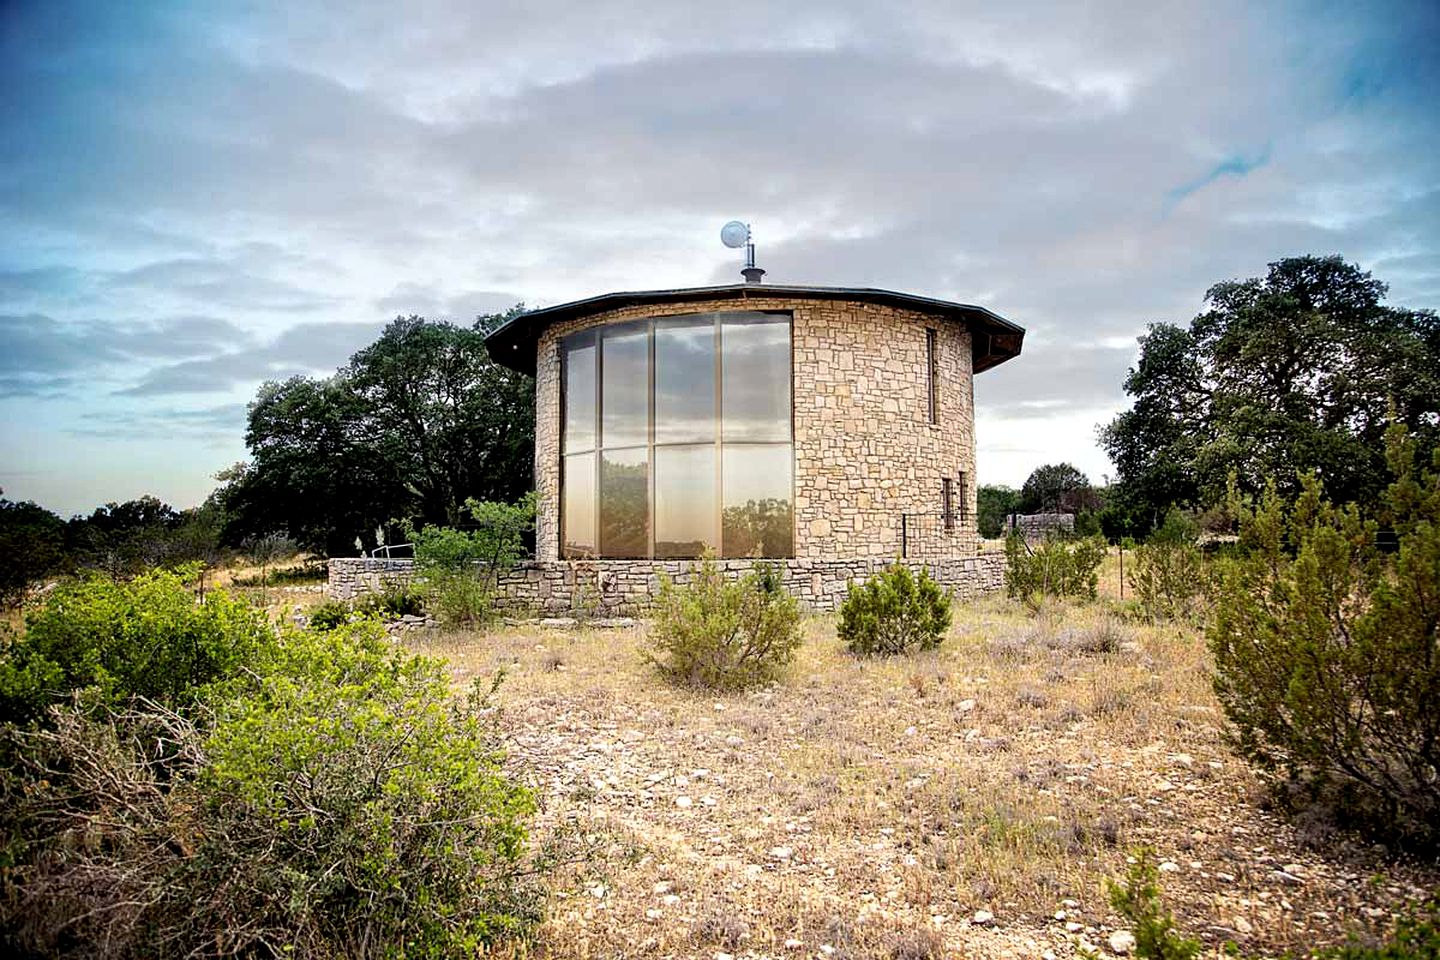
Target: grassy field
[(879, 809)]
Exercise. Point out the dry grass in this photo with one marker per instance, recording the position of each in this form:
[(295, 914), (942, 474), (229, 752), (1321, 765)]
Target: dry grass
[(869, 808)]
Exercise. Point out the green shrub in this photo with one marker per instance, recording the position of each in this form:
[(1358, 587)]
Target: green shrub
[(459, 598), (148, 637), (461, 568), (344, 805), (1138, 901), (893, 612), (330, 614), (1416, 937), (392, 600), (1168, 573), (1416, 934), (1060, 568), (496, 539), (724, 634), (1327, 652)]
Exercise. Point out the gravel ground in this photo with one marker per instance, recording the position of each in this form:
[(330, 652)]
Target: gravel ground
[(967, 802)]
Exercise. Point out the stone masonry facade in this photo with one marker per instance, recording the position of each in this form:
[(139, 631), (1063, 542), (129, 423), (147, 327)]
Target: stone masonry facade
[(865, 449), (604, 588)]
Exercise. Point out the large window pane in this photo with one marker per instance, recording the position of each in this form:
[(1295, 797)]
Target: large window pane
[(624, 503), (685, 380), (684, 500), (625, 392), (652, 386), (577, 523), (755, 377), (758, 517), (578, 354)]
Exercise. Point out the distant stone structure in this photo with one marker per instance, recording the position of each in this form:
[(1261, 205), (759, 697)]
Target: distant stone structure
[(1041, 526)]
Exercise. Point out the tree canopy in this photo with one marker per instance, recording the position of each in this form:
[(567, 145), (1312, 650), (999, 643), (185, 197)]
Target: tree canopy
[(993, 503), (413, 426), (1056, 488), (1296, 371)]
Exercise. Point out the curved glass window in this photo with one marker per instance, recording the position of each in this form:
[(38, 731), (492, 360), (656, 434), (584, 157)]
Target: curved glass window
[(677, 438)]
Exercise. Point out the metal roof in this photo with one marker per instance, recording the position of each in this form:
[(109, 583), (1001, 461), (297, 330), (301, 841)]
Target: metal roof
[(994, 338)]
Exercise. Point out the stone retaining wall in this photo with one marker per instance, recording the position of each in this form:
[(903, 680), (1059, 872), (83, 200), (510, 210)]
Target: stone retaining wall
[(1039, 526), (624, 587)]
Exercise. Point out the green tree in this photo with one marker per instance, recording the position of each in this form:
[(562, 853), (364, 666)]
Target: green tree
[(413, 426), (32, 545), (1056, 488), (1296, 371), (315, 473), (453, 423), (121, 539), (993, 504)]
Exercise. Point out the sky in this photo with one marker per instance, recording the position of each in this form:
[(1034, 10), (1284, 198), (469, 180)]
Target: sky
[(199, 197)]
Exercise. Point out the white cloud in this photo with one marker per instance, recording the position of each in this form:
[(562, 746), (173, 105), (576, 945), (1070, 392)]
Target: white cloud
[(306, 173)]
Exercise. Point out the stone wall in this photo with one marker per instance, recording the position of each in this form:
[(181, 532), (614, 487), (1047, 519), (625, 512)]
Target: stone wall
[(865, 449), (1039, 526), (624, 587)]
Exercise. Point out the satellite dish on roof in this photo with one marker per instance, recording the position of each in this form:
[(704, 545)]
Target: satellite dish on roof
[(735, 234)]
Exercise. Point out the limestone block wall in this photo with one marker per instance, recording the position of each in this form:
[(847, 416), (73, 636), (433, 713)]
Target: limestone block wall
[(1038, 526), (626, 587), (865, 449), (352, 577)]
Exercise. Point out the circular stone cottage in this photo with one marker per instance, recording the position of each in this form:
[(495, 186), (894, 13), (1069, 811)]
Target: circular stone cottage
[(830, 429)]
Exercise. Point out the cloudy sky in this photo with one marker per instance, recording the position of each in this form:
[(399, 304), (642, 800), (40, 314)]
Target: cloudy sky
[(198, 197)]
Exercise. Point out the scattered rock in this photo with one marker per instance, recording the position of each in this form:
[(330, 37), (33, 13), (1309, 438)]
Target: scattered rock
[(982, 917), (1169, 866), (782, 853), (1122, 942), (683, 802)]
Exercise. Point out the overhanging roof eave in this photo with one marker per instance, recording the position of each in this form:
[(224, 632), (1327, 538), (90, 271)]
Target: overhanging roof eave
[(513, 343)]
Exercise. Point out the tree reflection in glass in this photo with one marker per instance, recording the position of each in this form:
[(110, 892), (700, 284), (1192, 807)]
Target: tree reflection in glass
[(624, 503), (758, 519)]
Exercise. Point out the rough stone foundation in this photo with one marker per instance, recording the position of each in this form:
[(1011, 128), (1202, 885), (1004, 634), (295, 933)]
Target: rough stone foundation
[(624, 587)]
